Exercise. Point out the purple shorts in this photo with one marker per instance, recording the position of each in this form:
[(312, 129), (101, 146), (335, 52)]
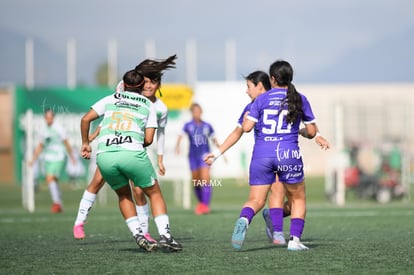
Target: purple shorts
[(197, 161), (264, 170)]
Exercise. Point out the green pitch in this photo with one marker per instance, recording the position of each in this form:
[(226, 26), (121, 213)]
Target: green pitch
[(361, 238)]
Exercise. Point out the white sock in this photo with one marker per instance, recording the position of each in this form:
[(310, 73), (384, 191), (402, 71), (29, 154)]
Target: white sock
[(55, 192), (143, 216), (85, 206), (163, 225), (133, 225)]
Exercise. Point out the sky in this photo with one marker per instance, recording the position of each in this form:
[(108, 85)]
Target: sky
[(316, 37)]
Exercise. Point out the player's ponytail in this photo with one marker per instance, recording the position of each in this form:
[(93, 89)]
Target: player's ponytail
[(153, 68), (282, 72), (294, 102)]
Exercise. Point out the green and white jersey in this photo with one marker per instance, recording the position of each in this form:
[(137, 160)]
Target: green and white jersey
[(162, 114), (52, 138), (126, 115)]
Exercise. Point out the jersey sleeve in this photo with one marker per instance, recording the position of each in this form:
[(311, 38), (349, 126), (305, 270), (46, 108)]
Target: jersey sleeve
[(99, 106), (184, 130), (41, 134), (160, 141), (254, 112), (246, 109), (307, 116), (162, 122), (152, 118)]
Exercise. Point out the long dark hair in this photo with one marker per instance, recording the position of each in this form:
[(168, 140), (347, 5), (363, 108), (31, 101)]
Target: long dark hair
[(153, 68), (282, 72), (259, 76), (134, 79)]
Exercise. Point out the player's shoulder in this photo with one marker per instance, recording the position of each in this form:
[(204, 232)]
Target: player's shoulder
[(112, 97), (160, 105), (248, 106), (206, 123), (188, 123)]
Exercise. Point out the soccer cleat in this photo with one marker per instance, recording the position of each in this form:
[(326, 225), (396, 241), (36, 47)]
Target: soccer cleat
[(169, 244), (56, 208), (239, 233), (202, 209), (78, 231), (145, 243), (148, 237), (278, 238), (269, 225), (295, 244)]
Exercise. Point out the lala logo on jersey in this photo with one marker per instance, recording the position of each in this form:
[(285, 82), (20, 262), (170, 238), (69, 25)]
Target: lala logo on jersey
[(118, 140)]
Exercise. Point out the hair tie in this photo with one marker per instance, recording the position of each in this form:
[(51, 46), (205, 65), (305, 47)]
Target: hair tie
[(135, 86)]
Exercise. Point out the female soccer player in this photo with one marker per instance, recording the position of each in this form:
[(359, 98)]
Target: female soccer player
[(199, 132), (258, 83), (151, 85), (129, 125), (53, 141), (276, 116)]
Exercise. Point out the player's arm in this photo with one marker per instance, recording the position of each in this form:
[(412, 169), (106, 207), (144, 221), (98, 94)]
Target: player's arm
[(248, 123), (320, 140), (95, 133), (231, 139), (309, 131), (160, 150), (36, 153), (149, 136), (177, 145), (69, 150), (85, 125), (151, 126)]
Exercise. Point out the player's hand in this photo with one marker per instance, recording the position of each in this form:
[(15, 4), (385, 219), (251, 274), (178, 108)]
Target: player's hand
[(177, 150), (161, 168), (86, 151), (322, 142), (209, 158)]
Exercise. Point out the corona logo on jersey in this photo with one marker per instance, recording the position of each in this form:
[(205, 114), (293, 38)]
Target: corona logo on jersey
[(176, 96)]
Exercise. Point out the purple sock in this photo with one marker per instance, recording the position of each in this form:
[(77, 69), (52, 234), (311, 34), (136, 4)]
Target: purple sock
[(205, 194), (247, 213), (276, 216), (296, 227), (197, 191)]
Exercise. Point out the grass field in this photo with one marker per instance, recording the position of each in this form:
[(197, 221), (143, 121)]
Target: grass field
[(361, 238)]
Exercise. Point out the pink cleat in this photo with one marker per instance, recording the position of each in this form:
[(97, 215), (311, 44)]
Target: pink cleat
[(78, 231), (149, 238)]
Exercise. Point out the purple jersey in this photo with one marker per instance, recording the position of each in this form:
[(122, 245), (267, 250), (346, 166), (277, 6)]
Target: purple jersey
[(246, 109), (198, 134), (274, 137)]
